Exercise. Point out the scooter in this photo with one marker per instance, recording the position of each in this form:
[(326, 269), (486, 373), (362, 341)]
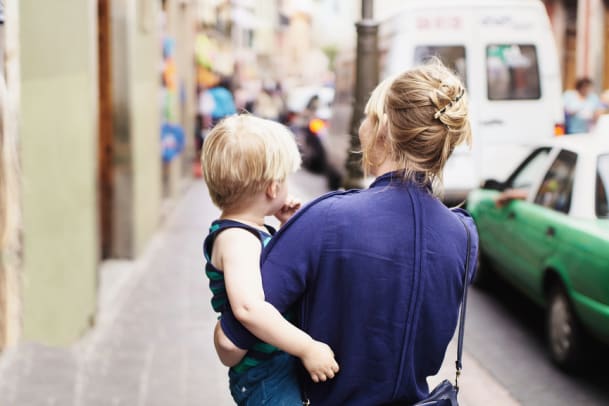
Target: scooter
[(314, 156)]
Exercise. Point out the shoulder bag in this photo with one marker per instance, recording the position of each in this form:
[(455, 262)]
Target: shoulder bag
[(445, 394)]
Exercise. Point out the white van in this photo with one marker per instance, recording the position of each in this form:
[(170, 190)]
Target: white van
[(506, 55)]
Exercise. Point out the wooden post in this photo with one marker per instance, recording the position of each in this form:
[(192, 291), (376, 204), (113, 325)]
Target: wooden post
[(106, 134)]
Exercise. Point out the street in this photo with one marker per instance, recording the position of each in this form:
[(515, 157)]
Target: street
[(507, 337)]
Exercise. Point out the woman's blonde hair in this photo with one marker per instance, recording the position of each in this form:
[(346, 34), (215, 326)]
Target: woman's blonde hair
[(243, 154), (423, 115)]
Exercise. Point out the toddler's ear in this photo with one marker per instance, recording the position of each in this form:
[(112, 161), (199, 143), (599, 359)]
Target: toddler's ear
[(272, 190)]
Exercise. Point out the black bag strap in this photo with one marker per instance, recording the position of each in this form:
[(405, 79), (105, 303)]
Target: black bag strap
[(458, 363)]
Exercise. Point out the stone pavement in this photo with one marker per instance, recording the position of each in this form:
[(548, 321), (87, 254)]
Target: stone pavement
[(152, 344)]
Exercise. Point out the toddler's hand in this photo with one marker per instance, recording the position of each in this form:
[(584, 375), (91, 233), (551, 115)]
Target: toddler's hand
[(319, 361), (289, 208)]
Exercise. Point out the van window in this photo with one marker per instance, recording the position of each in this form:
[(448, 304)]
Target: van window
[(453, 56), (512, 72)]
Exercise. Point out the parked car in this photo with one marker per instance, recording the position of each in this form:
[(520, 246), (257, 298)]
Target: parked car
[(551, 238)]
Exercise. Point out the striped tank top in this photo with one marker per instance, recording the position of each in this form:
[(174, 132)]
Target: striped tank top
[(260, 351)]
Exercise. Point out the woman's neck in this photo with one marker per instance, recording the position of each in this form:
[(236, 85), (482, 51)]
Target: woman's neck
[(386, 167)]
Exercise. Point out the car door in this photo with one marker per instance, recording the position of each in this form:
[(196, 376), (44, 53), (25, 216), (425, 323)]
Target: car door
[(533, 225), (492, 220)]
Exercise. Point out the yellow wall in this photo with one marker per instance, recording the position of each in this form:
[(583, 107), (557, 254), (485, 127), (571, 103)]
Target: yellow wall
[(58, 136)]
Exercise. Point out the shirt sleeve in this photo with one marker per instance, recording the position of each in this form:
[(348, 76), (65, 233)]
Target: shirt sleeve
[(288, 264), (572, 103), (291, 258), (473, 234)]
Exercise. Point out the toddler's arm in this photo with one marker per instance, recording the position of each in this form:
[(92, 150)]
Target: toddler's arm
[(239, 253), (229, 353)]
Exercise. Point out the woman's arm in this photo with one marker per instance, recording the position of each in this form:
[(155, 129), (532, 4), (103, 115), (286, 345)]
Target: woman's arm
[(239, 253), (229, 353)]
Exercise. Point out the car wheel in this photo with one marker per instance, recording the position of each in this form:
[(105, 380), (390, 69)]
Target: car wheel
[(564, 334)]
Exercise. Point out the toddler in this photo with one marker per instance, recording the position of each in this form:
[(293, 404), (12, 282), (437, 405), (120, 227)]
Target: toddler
[(245, 162)]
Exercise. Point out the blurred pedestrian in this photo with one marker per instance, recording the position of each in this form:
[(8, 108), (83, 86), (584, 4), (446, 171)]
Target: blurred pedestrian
[(223, 100), (213, 105), (376, 273), (582, 107), (246, 161)]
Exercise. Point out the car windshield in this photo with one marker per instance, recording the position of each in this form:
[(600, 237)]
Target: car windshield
[(602, 187)]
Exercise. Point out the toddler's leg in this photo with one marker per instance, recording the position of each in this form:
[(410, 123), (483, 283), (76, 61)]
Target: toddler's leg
[(274, 382), (282, 387)]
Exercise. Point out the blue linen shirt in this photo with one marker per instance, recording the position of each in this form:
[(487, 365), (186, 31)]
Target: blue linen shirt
[(377, 274)]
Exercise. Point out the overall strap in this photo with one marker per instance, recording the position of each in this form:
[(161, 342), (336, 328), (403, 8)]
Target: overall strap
[(221, 225), (458, 363)]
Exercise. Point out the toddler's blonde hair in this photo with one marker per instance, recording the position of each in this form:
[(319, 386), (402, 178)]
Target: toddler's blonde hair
[(243, 154)]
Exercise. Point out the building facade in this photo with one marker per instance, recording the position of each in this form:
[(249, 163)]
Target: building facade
[(83, 98), (581, 30)]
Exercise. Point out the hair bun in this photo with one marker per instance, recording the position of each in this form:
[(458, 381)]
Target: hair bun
[(428, 116)]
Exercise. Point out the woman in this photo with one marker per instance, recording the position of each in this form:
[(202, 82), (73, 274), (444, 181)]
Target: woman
[(582, 107), (377, 273)]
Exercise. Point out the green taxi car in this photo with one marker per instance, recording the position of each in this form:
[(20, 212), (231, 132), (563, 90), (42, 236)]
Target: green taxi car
[(550, 239)]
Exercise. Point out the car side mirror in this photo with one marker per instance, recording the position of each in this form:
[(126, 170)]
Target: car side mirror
[(493, 184)]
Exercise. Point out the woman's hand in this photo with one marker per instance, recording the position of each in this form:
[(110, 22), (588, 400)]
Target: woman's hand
[(288, 209), (319, 361)]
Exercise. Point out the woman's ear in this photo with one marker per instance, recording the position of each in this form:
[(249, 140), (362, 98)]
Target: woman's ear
[(272, 189), (383, 128)]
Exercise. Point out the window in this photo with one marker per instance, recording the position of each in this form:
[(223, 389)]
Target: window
[(452, 56), (602, 187), (529, 170), (557, 187), (512, 72)]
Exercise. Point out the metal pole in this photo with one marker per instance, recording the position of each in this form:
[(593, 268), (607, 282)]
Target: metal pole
[(366, 78)]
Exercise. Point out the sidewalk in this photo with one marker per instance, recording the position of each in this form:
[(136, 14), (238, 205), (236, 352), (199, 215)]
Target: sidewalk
[(152, 344)]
